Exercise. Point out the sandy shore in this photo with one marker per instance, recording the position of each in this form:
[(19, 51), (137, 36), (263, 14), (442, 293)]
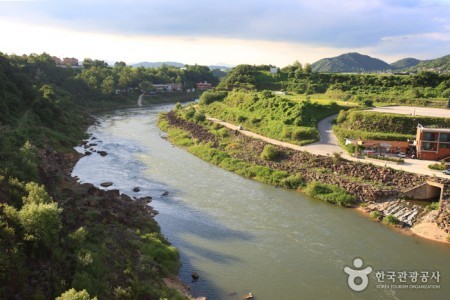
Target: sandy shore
[(425, 229), (429, 230)]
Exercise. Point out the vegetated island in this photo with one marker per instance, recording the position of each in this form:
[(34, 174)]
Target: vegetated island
[(244, 98), (59, 238)]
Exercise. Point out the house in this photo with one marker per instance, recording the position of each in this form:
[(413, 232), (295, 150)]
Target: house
[(203, 86), (383, 147), (432, 143), (70, 61), (273, 70), (169, 87)]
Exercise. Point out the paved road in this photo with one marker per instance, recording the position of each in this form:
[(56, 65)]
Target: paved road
[(328, 144), (414, 111)]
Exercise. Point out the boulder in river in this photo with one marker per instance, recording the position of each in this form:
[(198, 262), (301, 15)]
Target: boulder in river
[(165, 193), (195, 276), (136, 189), (106, 184), (87, 153), (102, 153)]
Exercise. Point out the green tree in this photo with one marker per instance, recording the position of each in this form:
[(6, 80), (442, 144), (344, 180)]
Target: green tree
[(36, 194), (308, 68), (73, 294), (146, 86), (108, 85), (41, 223)]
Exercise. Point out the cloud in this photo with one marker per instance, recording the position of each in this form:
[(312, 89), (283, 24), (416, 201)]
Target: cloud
[(334, 23), (344, 24)]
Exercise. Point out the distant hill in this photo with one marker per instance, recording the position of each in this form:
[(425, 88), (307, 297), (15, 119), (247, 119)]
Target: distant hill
[(147, 64), (350, 62), (438, 64), (405, 63)]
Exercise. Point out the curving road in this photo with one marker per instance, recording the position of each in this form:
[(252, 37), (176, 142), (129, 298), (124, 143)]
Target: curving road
[(329, 144)]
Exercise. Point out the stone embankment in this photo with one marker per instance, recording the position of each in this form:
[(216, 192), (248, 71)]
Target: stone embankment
[(368, 182)]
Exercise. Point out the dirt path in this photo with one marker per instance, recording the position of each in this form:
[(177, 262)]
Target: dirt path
[(139, 102)]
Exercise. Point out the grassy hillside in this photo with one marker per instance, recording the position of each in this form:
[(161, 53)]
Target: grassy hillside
[(270, 115), (55, 234)]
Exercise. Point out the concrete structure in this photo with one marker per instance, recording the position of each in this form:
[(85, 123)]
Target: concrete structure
[(432, 143), (273, 70), (427, 191), (202, 86)]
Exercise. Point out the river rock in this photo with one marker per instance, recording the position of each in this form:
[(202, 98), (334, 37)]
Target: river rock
[(136, 189), (195, 276), (87, 153), (102, 153), (106, 184), (165, 193)]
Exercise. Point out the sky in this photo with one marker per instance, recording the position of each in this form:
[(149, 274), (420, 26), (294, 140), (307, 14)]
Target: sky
[(229, 32)]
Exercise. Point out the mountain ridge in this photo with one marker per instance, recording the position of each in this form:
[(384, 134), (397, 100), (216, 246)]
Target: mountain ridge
[(354, 62)]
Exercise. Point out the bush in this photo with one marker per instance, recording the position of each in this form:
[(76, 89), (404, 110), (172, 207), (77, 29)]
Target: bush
[(41, 222), (212, 96), (189, 114), (390, 220), (199, 117), (270, 152), (438, 166), (433, 206), (73, 294), (329, 193), (375, 215), (292, 182), (342, 116)]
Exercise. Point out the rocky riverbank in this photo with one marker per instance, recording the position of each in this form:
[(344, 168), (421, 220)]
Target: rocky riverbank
[(121, 233), (370, 184)]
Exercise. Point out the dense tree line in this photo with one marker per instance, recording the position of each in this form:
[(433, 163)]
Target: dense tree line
[(297, 78), (44, 249)]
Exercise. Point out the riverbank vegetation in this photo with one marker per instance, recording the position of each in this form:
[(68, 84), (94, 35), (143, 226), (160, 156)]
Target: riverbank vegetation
[(285, 167), (55, 234)]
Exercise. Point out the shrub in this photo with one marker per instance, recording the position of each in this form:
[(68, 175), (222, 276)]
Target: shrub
[(199, 117), (438, 166), (41, 222), (178, 106), (73, 294), (329, 193), (209, 97), (189, 114), (292, 182), (342, 116), (433, 206), (270, 152), (390, 220), (375, 215)]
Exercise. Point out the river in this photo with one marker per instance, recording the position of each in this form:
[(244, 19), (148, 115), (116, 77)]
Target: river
[(243, 236)]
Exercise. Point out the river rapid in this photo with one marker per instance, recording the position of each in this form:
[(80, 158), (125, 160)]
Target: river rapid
[(243, 236)]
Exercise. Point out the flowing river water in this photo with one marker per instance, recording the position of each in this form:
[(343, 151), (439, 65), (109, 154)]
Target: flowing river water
[(242, 236)]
